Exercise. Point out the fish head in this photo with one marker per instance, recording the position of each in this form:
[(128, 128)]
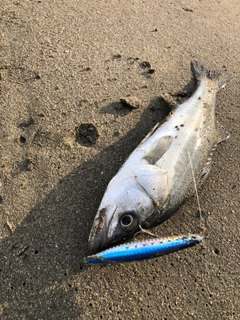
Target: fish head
[(121, 212), (111, 226)]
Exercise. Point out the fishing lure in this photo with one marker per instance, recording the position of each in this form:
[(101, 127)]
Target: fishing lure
[(145, 249)]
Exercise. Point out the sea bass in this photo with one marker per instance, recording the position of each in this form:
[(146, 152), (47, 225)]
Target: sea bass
[(161, 172)]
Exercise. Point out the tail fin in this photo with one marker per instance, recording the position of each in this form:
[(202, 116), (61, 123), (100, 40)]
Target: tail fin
[(221, 78)]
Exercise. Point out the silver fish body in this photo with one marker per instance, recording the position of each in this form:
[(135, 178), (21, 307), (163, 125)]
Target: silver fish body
[(145, 249), (159, 174)]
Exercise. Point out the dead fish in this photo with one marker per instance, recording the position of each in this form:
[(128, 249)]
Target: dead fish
[(159, 174), (145, 249)]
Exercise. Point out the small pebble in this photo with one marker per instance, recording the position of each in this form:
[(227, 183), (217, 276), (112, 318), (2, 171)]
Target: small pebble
[(131, 102)]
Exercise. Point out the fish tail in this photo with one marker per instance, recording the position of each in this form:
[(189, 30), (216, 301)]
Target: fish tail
[(221, 78)]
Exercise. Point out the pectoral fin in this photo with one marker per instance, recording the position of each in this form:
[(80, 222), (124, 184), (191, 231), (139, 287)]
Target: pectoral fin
[(158, 149)]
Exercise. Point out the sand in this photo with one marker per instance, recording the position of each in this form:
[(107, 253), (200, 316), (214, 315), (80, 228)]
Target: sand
[(64, 67)]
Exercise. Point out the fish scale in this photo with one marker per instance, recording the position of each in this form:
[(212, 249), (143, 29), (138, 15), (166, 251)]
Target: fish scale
[(160, 173)]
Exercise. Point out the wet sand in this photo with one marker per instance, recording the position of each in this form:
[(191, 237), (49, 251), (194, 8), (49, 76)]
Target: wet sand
[(64, 67)]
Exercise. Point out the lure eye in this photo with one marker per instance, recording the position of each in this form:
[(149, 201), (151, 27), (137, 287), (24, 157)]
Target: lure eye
[(128, 221)]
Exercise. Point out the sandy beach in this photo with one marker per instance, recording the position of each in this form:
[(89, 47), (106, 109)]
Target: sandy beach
[(64, 67)]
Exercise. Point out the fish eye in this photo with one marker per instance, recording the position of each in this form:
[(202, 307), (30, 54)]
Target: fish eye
[(128, 221)]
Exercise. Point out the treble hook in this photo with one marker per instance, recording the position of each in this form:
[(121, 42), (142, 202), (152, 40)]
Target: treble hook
[(145, 231)]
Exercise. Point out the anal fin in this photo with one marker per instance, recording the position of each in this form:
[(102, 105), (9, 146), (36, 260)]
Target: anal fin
[(206, 170), (222, 133)]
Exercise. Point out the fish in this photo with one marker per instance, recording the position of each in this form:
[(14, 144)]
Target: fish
[(165, 168), (144, 249)]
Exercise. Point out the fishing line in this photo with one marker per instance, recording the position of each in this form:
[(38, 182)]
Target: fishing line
[(197, 196)]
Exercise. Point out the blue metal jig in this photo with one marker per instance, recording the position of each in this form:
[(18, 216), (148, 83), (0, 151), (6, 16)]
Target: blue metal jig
[(145, 249)]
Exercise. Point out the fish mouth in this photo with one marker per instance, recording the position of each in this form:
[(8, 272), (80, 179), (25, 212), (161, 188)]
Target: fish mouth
[(96, 244), (98, 233), (99, 239), (102, 241), (107, 232)]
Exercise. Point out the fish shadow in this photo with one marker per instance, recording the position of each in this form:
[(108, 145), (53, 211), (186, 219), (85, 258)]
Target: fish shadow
[(50, 244)]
